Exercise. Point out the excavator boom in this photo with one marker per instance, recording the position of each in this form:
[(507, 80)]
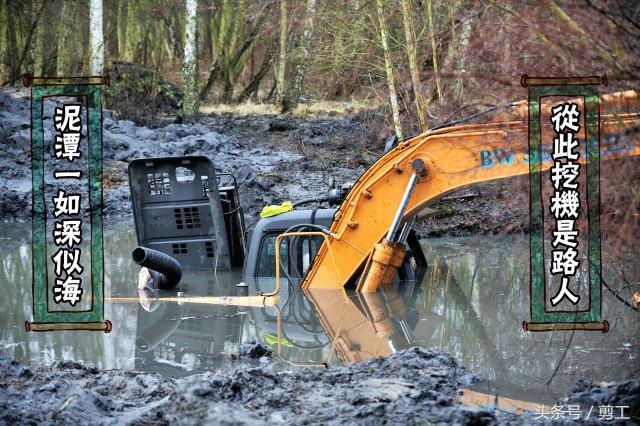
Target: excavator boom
[(453, 157)]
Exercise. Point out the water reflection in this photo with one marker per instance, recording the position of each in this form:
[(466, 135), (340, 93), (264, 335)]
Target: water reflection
[(292, 327), (365, 326), (470, 303), (174, 339), (480, 288), (181, 338)]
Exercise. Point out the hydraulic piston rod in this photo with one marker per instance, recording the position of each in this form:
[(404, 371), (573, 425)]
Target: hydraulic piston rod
[(389, 253), (406, 228), (418, 170)]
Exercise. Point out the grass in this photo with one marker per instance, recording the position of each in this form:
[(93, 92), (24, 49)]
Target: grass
[(447, 210), (307, 109)]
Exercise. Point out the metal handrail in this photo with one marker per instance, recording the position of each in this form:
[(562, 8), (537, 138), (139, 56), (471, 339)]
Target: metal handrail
[(280, 237)]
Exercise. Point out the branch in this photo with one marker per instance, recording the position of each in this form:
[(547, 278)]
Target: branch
[(539, 35)]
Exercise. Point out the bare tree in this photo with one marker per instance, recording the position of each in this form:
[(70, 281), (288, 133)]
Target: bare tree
[(434, 52), (292, 95), (233, 43), (282, 56), (388, 65), (419, 98), (65, 29), (254, 84), (97, 40), (190, 65), (16, 58)]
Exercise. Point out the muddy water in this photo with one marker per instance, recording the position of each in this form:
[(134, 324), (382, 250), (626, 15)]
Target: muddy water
[(470, 302), (473, 301)]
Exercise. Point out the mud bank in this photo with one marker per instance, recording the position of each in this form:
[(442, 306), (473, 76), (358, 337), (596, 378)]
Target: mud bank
[(591, 394), (274, 158), (251, 148), (412, 386)]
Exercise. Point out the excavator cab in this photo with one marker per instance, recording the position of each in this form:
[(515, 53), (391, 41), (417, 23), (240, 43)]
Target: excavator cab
[(298, 253)]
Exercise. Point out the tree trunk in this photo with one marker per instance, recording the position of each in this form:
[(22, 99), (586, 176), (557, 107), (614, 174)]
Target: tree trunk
[(131, 33), (465, 33), (229, 64), (11, 45), (208, 33), (271, 91), (27, 45), (393, 96), (3, 38), (97, 38), (255, 82), (72, 53), (63, 30), (37, 53), (452, 47), (121, 28), (419, 98), (190, 64), (235, 60), (50, 34), (292, 95), (434, 51), (282, 54), (214, 72)]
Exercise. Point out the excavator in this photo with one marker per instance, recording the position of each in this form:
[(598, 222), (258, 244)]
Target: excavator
[(364, 243), (364, 247)]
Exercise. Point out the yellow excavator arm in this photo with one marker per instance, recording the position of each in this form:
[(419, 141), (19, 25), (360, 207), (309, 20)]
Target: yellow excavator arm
[(367, 235)]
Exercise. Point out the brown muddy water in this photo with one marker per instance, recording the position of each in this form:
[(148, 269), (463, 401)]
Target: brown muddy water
[(470, 303)]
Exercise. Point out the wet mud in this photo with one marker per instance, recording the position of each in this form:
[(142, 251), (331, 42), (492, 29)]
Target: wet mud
[(274, 158), (255, 349), (252, 148), (626, 393), (413, 386)]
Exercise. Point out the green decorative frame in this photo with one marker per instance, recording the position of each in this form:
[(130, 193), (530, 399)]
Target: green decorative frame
[(43, 319), (541, 318)]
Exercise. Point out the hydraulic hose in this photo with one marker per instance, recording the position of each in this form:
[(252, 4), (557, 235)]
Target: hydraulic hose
[(309, 200), (165, 270), (300, 226)]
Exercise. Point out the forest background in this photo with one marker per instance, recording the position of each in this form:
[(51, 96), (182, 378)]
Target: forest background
[(410, 64)]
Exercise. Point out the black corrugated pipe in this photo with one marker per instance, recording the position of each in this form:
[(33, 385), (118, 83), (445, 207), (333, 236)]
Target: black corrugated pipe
[(165, 270)]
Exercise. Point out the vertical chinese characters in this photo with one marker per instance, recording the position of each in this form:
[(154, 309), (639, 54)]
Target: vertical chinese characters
[(565, 202), (67, 231)]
